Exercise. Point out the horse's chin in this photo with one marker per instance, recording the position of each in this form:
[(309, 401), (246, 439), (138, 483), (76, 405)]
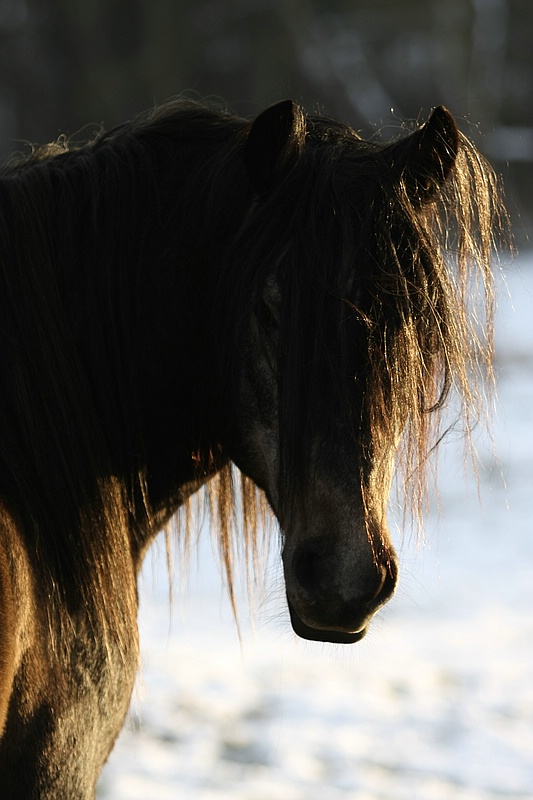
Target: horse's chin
[(324, 634)]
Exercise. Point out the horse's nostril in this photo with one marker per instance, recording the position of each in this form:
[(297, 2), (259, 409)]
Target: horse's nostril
[(380, 585), (390, 577), (306, 568)]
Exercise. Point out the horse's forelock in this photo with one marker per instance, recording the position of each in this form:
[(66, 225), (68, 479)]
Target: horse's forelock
[(360, 251)]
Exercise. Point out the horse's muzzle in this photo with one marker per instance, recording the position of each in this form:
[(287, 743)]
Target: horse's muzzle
[(328, 601)]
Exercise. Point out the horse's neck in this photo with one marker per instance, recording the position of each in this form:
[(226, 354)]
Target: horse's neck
[(132, 296)]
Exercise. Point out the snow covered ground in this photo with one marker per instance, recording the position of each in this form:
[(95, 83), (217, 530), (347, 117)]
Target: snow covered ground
[(435, 703)]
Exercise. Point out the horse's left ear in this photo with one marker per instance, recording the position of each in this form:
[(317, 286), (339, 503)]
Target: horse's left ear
[(274, 140), (426, 157)]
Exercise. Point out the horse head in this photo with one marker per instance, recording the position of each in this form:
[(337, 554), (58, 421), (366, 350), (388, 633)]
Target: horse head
[(320, 417)]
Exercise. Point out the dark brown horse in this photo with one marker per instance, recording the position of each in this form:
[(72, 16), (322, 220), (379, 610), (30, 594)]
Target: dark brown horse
[(192, 291)]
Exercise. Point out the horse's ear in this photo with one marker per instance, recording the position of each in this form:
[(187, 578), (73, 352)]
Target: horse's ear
[(275, 138), (425, 158)]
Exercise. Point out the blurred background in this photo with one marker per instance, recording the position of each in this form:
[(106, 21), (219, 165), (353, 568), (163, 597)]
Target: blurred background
[(66, 63), (437, 701)]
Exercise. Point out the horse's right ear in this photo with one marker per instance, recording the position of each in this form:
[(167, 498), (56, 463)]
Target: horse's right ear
[(425, 158), (275, 138)]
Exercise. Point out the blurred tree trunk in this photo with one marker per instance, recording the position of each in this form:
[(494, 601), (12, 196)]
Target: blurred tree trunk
[(486, 68)]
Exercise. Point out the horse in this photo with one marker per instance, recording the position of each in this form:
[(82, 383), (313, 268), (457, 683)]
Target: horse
[(189, 297)]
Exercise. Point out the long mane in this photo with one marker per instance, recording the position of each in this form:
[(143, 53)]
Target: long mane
[(77, 224), (359, 260)]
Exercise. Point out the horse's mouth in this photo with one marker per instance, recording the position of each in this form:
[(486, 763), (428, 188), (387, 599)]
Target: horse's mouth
[(324, 634)]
